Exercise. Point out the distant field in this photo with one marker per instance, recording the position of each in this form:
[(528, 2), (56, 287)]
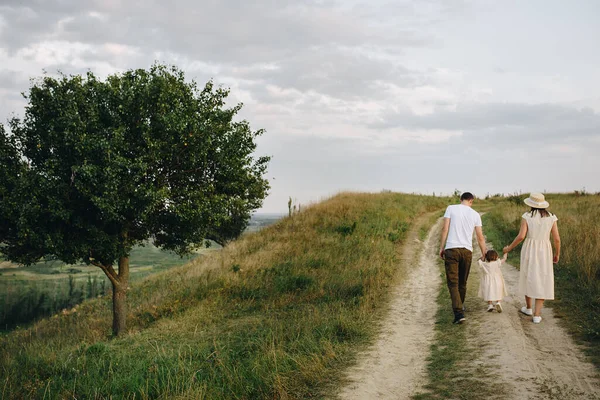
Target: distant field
[(144, 260), (259, 221), (28, 293)]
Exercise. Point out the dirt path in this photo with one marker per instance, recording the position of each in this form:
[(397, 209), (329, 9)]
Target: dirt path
[(529, 361), (394, 367), (532, 361)]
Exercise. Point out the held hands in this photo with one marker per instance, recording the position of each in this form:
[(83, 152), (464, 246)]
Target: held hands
[(505, 250)]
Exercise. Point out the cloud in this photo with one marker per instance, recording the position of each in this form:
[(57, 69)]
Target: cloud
[(406, 95), (11, 79), (333, 71), (520, 122), (220, 31)]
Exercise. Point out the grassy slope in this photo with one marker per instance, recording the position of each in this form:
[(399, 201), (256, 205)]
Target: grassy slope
[(577, 288), (274, 315)]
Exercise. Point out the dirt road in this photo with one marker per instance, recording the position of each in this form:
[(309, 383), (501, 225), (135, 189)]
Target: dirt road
[(394, 367), (530, 361)]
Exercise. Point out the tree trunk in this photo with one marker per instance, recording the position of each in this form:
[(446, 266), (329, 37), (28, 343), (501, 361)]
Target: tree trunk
[(119, 310), (119, 297)]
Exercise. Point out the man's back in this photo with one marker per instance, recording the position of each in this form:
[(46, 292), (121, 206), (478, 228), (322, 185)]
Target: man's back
[(463, 220)]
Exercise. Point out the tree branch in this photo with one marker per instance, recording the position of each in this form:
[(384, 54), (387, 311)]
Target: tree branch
[(109, 271)]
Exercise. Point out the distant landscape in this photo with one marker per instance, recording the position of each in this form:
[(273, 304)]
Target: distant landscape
[(261, 220), (29, 293)]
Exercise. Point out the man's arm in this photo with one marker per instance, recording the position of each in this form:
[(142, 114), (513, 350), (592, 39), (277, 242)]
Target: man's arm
[(481, 240), (445, 229)]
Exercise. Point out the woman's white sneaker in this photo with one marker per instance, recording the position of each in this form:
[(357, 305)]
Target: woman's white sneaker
[(490, 308), (526, 311), (499, 307), (537, 320)]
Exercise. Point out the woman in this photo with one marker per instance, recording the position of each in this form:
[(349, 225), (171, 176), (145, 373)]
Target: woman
[(536, 278)]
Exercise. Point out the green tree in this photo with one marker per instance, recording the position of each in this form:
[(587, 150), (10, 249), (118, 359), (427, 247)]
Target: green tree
[(97, 167), (11, 169)]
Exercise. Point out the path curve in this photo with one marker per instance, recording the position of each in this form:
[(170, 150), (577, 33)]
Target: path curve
[(395, 366)]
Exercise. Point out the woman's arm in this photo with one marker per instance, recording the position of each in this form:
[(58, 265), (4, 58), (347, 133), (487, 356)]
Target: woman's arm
[(556, 238), (520, 237)]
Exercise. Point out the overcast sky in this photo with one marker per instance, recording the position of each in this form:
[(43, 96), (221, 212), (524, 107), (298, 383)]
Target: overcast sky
[(424, 96)]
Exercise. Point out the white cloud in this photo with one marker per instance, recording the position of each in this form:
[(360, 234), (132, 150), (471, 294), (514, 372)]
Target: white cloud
[(355, 94)]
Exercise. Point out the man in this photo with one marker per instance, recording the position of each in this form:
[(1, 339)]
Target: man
[(457, 249)]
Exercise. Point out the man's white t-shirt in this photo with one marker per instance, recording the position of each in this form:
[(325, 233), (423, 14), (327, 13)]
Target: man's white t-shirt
[(463, 220)]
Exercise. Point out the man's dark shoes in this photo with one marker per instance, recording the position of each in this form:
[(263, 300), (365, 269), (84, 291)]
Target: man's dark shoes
[(459, 319)]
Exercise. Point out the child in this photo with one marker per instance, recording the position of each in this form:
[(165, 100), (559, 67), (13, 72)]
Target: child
[(491, 285)]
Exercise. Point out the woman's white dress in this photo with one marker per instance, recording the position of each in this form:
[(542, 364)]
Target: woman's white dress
[(491, 284), (536, 278)]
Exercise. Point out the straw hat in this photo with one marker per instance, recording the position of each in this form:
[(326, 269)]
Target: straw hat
[(536, 200)]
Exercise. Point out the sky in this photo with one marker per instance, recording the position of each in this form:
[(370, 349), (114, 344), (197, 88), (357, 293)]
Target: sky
[(427, 96)]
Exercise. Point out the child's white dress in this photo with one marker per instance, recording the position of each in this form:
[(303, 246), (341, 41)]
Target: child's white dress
[(491, 284)]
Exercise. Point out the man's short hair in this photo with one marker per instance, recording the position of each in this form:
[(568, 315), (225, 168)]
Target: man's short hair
[(467, 196)]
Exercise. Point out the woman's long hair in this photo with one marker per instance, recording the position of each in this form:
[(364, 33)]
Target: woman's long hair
[(543, 212)]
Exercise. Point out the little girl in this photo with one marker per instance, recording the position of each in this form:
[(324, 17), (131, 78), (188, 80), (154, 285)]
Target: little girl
[(491, 285)]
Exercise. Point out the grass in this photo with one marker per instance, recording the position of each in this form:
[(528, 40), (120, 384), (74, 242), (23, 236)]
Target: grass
[(277, 314), (577, 287)]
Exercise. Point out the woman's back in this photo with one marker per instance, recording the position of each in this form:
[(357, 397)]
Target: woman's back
[(538, 227)]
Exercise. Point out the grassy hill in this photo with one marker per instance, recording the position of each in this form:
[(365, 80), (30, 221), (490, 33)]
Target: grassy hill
[(274, 315), (278, 313)]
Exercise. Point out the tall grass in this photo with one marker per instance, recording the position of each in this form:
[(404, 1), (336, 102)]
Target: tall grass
[(577, 275), (274, 315)]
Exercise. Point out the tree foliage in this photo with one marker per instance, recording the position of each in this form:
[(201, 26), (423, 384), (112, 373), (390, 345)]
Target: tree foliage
[(11, 169), (97, 167)]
